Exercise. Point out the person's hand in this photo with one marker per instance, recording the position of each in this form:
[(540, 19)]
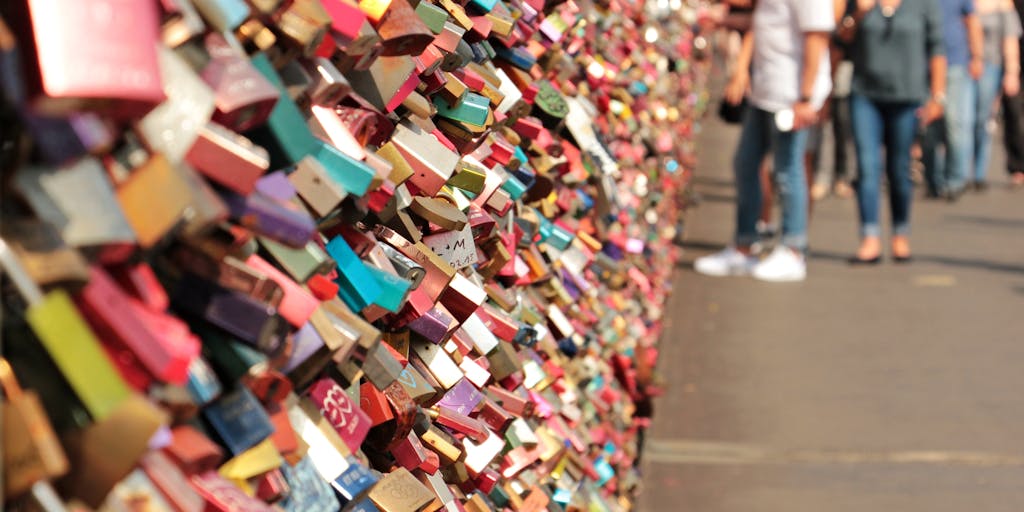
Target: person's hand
[(1011, 84), (804, 115), (825, 112), (737, 87), (930, 112), (976, 67), (713, 15), (863, 6)]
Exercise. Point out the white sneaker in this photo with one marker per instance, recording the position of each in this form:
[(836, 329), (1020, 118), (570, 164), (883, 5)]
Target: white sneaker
[(728, 262), (781, 265)]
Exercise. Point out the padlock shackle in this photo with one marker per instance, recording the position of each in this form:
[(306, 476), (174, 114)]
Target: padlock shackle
[(11, 266), (8, 381)]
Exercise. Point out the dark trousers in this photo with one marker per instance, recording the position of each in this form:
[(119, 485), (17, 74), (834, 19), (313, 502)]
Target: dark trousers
[(1013, 128), (843, 134)]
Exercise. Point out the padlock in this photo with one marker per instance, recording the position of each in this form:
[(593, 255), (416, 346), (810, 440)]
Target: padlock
[(171, 481), (54, 196), (32, 451), (162, 343), (344, 414), (129, 428), (69, 341), (109, 62), (356, 479), (400, 491)]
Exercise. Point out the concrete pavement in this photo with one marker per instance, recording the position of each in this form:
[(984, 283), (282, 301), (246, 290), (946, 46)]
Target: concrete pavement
[(893, 388)]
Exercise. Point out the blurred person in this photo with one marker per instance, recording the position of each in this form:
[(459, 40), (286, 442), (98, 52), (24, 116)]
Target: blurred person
[(896, 45), (1013, 116), (789, 78), (1001, 57), (839, 116), (963, 37)]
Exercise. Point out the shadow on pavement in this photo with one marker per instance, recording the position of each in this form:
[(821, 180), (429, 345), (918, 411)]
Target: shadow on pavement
[(715, 198), (988, 221), (712, 181), (971, 263)]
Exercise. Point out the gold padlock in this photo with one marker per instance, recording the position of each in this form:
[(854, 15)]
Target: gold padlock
[(32, 451)]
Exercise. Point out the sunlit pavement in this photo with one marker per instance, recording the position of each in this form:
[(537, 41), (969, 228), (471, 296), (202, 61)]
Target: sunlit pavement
[(893, 388)]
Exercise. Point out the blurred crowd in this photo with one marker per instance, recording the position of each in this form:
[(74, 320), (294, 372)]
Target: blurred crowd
[(913, 92)]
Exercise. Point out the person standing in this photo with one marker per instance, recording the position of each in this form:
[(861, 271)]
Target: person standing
[(839, 181), (790, 81), (1013, 116), (899, 82), (1001, 54), (947, 177)]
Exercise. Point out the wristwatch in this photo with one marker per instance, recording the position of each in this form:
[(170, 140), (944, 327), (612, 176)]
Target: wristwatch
[(848, 21)]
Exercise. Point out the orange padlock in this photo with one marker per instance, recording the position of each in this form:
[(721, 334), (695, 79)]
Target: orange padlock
[(32, 451)]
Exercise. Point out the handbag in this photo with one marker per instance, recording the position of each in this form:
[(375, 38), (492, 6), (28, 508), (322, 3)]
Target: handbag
[(732, 114)]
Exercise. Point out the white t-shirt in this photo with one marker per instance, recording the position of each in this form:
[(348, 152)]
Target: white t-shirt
[(779, 28)]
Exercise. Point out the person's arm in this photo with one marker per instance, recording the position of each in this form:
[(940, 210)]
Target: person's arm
[(838, 8), (740, 80), (975, 42), (1011, 49), (815, 46), (741, 21), (933, 108)]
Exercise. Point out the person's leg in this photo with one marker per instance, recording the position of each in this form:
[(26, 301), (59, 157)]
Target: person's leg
[(932, 150), (867, 137), (988, 88), (900, 126), (961, 95), (812, 165), (786, 262), (753, 145), (750, 151), (841, 133), (788, 150), (767, 193), (1013, 132)]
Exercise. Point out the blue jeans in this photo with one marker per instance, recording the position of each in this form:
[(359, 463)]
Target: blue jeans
[(758, 138), (956, 130), (893, 125), (989, 85)]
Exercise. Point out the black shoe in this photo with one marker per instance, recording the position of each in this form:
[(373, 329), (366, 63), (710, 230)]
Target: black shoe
[(980, 186), (855, 261), (902, 259)]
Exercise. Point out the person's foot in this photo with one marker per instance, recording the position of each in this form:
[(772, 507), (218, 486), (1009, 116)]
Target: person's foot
[(953, 196), (870, 250), (980, 186), (842, 189), (1017, 179), (900, 248), (765, 229), (727, 262), (819, 191), (782, 265)]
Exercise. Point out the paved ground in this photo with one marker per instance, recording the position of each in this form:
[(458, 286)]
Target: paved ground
[(896, 388)]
